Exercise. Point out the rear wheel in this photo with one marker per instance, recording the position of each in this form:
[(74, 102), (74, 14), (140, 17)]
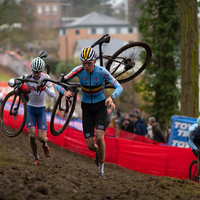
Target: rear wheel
[(62, 114), (193, 173), (129, 61), (13, 114)]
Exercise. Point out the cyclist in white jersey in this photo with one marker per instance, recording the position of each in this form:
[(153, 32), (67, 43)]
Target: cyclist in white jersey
[(36, 106)]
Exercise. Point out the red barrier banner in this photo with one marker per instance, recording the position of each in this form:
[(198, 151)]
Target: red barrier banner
[(142, 156), (5, 88), (135, 137), (154, 159)]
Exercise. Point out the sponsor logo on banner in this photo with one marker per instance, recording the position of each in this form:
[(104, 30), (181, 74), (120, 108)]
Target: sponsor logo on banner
[(179, 131)]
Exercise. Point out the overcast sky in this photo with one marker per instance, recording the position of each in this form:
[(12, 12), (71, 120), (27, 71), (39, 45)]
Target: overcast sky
[(116, 1)]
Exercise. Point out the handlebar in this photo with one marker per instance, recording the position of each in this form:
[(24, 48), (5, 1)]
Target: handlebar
[(43, 82)]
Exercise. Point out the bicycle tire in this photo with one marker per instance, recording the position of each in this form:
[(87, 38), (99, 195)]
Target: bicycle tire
[(138, 51), (13, 125), (57, 125), (193, 173)]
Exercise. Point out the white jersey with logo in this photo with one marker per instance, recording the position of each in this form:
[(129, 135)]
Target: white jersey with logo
[(38, 99)]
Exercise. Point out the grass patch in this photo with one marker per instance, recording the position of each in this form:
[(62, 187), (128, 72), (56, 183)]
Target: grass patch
[(4, 77)]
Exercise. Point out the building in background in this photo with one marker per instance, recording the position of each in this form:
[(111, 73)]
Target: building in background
[(47, 13), (75, 32), (90, 28)]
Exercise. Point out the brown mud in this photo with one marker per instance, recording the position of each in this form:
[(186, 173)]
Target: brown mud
[(67, 175)]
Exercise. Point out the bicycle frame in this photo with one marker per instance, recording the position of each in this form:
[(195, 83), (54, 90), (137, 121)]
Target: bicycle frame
[(104, 39), (13, 103), (127, 63)]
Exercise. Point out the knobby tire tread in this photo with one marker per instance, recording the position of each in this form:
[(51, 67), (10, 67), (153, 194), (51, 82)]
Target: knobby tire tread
[(58, 132), (24, 118), (190, 169), (125, 47)]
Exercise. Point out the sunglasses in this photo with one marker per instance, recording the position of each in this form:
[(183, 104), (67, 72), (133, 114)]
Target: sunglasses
[(37, 72), (87, 63)]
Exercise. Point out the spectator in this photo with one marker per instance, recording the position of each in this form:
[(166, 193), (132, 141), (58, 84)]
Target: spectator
[(119, 118), (139, 126), (108, 119), (157, 132), (134, 113), (127, 124), (168, 134), (149, 132)]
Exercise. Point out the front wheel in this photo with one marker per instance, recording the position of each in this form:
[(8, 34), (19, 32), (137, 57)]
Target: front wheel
[(62, 114), (193, 172), (13, 114), (129, 61)]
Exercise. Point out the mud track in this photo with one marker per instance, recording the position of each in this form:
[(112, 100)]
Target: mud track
[(67, 175)]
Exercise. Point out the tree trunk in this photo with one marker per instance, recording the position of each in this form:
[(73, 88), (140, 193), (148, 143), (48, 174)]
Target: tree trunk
[(189, 59)]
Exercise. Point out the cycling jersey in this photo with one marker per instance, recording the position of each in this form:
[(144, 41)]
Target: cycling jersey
[(37, 99), (93, 84), (194, 134)]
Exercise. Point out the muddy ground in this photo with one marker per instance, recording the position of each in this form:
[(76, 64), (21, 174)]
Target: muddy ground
[(67, 175)]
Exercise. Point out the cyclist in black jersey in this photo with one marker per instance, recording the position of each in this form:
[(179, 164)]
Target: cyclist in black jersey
[(93, 103)]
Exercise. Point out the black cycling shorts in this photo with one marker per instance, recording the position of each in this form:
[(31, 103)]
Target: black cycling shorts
[(93, 115)]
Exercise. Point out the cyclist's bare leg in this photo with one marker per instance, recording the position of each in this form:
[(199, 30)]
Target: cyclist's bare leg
[(101, 151), (42, 136), (33, 144), (101, 145), (43, 139), (91, 144)]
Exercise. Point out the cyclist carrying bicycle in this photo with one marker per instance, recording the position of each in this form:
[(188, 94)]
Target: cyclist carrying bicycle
[(194, 141), (36, 106), (94, 106)]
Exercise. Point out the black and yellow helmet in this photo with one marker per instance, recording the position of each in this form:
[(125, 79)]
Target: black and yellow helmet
[(87, 53)]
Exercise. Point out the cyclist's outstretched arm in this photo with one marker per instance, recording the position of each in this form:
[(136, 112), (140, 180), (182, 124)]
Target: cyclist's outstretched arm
[(69, 77), (49, 89), (191, 136), (12, 82), (114, 83), (118, 89)]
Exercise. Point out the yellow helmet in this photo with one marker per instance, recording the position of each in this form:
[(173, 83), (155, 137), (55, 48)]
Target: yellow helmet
[(87, 53)]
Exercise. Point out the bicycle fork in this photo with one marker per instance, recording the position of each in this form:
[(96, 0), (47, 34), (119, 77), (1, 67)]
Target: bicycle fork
[(15, 110)]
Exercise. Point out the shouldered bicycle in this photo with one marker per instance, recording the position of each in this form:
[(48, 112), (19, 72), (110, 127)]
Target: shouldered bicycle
[(125, 64)]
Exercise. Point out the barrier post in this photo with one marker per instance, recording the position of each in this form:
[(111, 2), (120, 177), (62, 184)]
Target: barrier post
[(117, 130)]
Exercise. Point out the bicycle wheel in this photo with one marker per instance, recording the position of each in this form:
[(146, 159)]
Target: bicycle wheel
[(193, 173), (129, 61), (62, 114), (13, 114)]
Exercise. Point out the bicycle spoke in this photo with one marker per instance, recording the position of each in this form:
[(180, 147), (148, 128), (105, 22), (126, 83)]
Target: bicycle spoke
[(133, 56), (129, 61), (62, 114), (12, 115)]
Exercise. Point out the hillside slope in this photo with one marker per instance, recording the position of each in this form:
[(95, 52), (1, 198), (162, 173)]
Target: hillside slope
[(67, 175), (6, 74)]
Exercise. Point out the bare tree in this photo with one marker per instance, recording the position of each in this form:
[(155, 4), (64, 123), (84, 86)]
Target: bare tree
[(189, 59)]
